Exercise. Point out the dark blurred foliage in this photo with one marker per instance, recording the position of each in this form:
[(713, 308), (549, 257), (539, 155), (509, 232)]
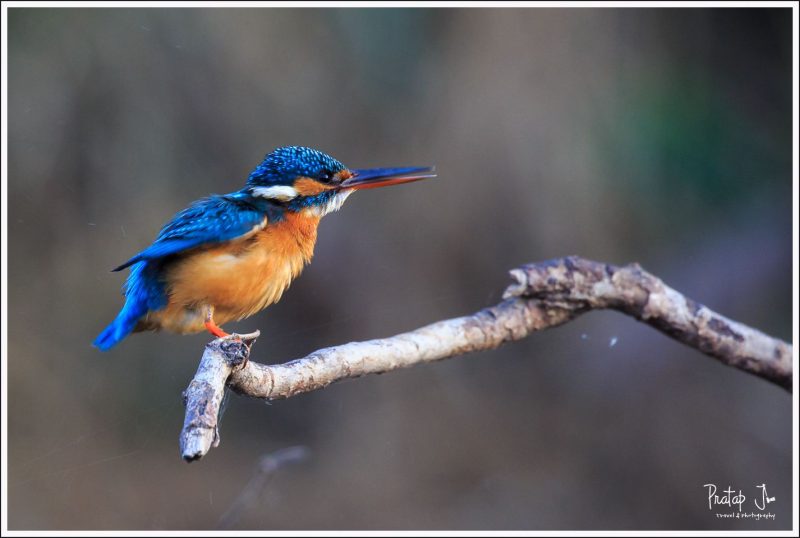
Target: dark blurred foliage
[(661, 136)]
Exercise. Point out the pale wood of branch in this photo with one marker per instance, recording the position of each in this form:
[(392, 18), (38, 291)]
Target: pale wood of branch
[(545, 295)]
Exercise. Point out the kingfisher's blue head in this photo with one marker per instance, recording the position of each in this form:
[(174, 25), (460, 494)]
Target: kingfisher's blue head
[(284, 165), (307, 179)]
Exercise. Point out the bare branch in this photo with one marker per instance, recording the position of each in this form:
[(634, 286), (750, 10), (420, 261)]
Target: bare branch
[(204, 395), (545, 295)]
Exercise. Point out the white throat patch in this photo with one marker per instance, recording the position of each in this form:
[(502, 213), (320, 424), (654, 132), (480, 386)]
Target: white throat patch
[(334, 204)]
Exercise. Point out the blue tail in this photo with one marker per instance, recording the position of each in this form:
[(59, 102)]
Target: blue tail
[(143, 292), (122, 325)]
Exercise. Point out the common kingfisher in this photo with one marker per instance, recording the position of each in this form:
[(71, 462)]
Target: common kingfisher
[(228, 256)]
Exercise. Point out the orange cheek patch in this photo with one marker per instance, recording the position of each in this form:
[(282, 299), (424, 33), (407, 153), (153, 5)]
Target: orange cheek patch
[(305, 186)]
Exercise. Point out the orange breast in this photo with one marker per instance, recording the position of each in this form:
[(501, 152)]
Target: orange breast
[(238, 278)]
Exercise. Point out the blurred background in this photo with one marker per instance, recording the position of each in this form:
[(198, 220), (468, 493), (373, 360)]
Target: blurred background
[(661, 136)]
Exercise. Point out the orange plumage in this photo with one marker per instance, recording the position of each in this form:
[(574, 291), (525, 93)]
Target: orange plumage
[(238, 278)]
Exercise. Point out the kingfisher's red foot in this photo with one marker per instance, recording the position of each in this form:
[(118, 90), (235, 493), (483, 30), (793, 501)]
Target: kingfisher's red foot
[(212, 327)]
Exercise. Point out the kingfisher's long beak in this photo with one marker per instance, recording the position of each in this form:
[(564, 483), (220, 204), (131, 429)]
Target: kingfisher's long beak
[(383, 177)]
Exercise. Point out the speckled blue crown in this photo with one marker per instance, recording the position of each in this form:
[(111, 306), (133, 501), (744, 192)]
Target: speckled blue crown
[(284, 165)]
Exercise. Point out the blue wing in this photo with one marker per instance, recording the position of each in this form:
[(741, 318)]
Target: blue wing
[(207, 221)]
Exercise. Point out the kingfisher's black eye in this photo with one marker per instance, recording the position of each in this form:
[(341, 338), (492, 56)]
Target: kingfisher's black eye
[(325, 176)]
